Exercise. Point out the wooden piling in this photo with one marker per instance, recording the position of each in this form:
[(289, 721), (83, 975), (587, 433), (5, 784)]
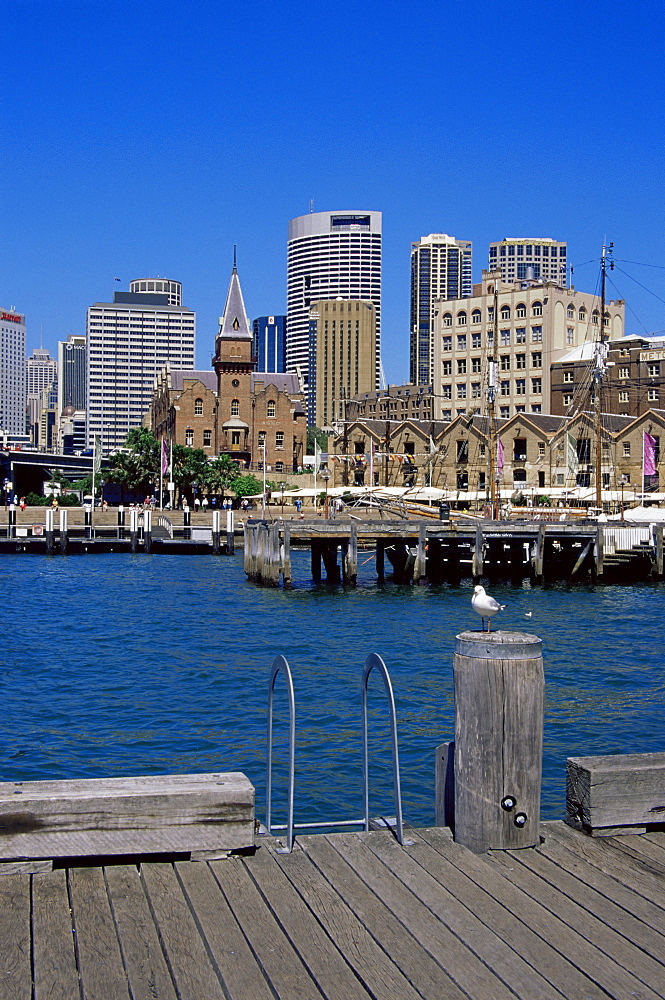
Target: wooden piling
[(538, 559), (63, 530), (329, 552), (380, 560), (350, 557), (315, 555), (134, 529), (147, 531), (658, 550), (230, 531), (599, 551), (49, 514), (499, 696), (420, 564), (477, 560), (287, 577)]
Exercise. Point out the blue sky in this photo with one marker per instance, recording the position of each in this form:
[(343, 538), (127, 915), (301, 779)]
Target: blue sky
[(143, 139)]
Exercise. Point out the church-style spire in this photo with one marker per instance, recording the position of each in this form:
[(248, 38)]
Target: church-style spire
[(234, 323)]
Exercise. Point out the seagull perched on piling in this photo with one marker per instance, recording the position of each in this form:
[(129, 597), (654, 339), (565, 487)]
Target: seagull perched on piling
[(485, 606)]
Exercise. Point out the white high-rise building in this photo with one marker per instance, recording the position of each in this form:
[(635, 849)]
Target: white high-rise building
[(530, 259), (129, 341), (441, 268), (41, 374), (331, 255), (12, 375)]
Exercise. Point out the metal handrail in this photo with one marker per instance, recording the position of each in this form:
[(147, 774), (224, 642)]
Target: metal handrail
[(373, 662), (280, 664)]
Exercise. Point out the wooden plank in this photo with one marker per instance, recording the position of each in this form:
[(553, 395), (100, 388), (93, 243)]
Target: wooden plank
[(241, 974), (139, 942), (615, 790), (325, 963), (373, 902), (103, 976), (184, 948), (282, 965), (608, 935), (603, 855), (571, 858), (15, 971), (561, 958), (379, 974), (444, 784), (439, 924), (132, 815), (55, 972), (25, 867)]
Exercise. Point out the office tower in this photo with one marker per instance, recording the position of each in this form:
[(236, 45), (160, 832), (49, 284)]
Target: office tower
[(41, 373), (269, 337), (330, 255), (160, 286), (71, 372), (536, 259), (12, 375), (441, 268), (343, 335), (129, 341)]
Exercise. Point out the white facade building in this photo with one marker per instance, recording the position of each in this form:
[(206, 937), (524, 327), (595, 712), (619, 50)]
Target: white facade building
[(331, 255), (12, 375), (441, 268), (530, 259), (129, 341)]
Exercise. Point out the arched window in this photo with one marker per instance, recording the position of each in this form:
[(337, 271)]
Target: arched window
[(519, 476), (537, 309), (521, 310), (606, 319), (570, 312), (271, 408), (461, 318), (505, 312), (447, 319), (476, 316), (582, 314), (198, 407), (235, 407), (594, 317)]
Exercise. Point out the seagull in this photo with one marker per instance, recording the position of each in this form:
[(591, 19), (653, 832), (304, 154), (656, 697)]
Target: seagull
[(485, 606), (528, 614)]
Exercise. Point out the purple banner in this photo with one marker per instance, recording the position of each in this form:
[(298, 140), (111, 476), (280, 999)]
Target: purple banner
[(649, 454)]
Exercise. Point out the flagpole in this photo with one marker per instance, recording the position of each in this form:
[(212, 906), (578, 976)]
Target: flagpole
[(171, 473), (161, 475)]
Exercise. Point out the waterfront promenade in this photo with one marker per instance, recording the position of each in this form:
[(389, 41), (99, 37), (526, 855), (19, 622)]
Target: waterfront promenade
[(348, 917)]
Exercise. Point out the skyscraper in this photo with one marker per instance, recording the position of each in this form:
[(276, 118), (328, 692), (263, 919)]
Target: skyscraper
[(342, 353), (71, 372), (129, 342), (12, 375), (269, 338), (524, 258), (331, 255), (41, 372), (441, 268)]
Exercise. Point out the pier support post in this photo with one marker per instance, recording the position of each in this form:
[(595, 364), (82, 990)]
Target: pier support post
[(477, 559), (11, 521), (539, 554), (147, 531), (87, 519), (599, 551), (317, 574), (420, 562), (134, 529), (121, 521), (350, 558), (287, 578), (230, 527), (186, 523), (658, 550), (216, 532), (63, 530), (380, 560), (49, 514), (499, 698), (330, 562)]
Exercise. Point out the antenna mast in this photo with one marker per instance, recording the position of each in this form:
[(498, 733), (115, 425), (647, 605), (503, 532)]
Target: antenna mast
[(491, 401), (600, 355)]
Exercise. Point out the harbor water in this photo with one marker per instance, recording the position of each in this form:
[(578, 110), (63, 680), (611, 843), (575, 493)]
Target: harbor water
[(134, 664)]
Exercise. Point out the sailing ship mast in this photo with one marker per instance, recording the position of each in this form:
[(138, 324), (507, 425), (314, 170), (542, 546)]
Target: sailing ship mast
[(491, 404), (600, 358)]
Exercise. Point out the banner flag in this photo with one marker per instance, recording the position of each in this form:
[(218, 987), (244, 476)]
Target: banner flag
[(165, 457), (97, 450), (649, 454), (500, 452), (573, 461)]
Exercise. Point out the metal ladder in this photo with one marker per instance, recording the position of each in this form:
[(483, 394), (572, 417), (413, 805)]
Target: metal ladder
[(280, 665)]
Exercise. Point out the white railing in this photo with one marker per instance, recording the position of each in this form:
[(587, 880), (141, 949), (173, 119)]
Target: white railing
[(625, 539)]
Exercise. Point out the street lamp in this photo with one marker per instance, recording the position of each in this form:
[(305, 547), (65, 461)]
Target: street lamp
[(325, 476)]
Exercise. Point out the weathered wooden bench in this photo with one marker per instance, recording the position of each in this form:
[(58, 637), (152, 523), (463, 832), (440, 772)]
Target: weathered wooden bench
[(615, 794), (154, 814)]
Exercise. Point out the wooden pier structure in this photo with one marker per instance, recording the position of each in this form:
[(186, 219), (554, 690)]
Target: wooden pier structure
[(347, 917)]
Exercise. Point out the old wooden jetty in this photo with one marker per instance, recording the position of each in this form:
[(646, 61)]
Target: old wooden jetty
[(449, 552)]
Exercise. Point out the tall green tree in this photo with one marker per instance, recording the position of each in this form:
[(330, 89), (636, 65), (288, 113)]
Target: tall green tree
[(137, 466), (220, 474), (189, 467)]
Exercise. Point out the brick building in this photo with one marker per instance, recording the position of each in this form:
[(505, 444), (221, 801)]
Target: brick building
[(233, 409)]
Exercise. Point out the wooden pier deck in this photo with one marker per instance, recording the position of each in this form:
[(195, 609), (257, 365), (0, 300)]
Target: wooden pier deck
[(348, 917)]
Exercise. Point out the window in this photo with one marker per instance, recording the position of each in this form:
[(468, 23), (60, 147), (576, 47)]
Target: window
[(461, 391), (461, 318), (537, 309), (279, 466), (623, 396), (626, 449), (262, 438), (536, 386), (654, 369), (505, 312), (476, 316), (279, 439), (447, 343), (624, 372), (594, 317), (207, 439), (446, 392), (462, 451), (189, 438), (536, 408), (235, 407), (476, 365), (537, 334), (461, 366), (271, 408), (504, 412), (569, 376), (582, 315), (198, 407), (520, 360), (570, 335), (520, 335), (461, 342), (520, 312), (536, 360), (505, 388), (570, 312), (652, 395), (505, 362), (447, 319), (446, 367), (541, 449), (520, 386), (475, 340), (505, 338), (235, 439), (476, 391), (567, 399)]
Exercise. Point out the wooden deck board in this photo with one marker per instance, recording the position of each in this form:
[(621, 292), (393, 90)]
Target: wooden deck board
[(55, 972), (15, 970), (97, 949)]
